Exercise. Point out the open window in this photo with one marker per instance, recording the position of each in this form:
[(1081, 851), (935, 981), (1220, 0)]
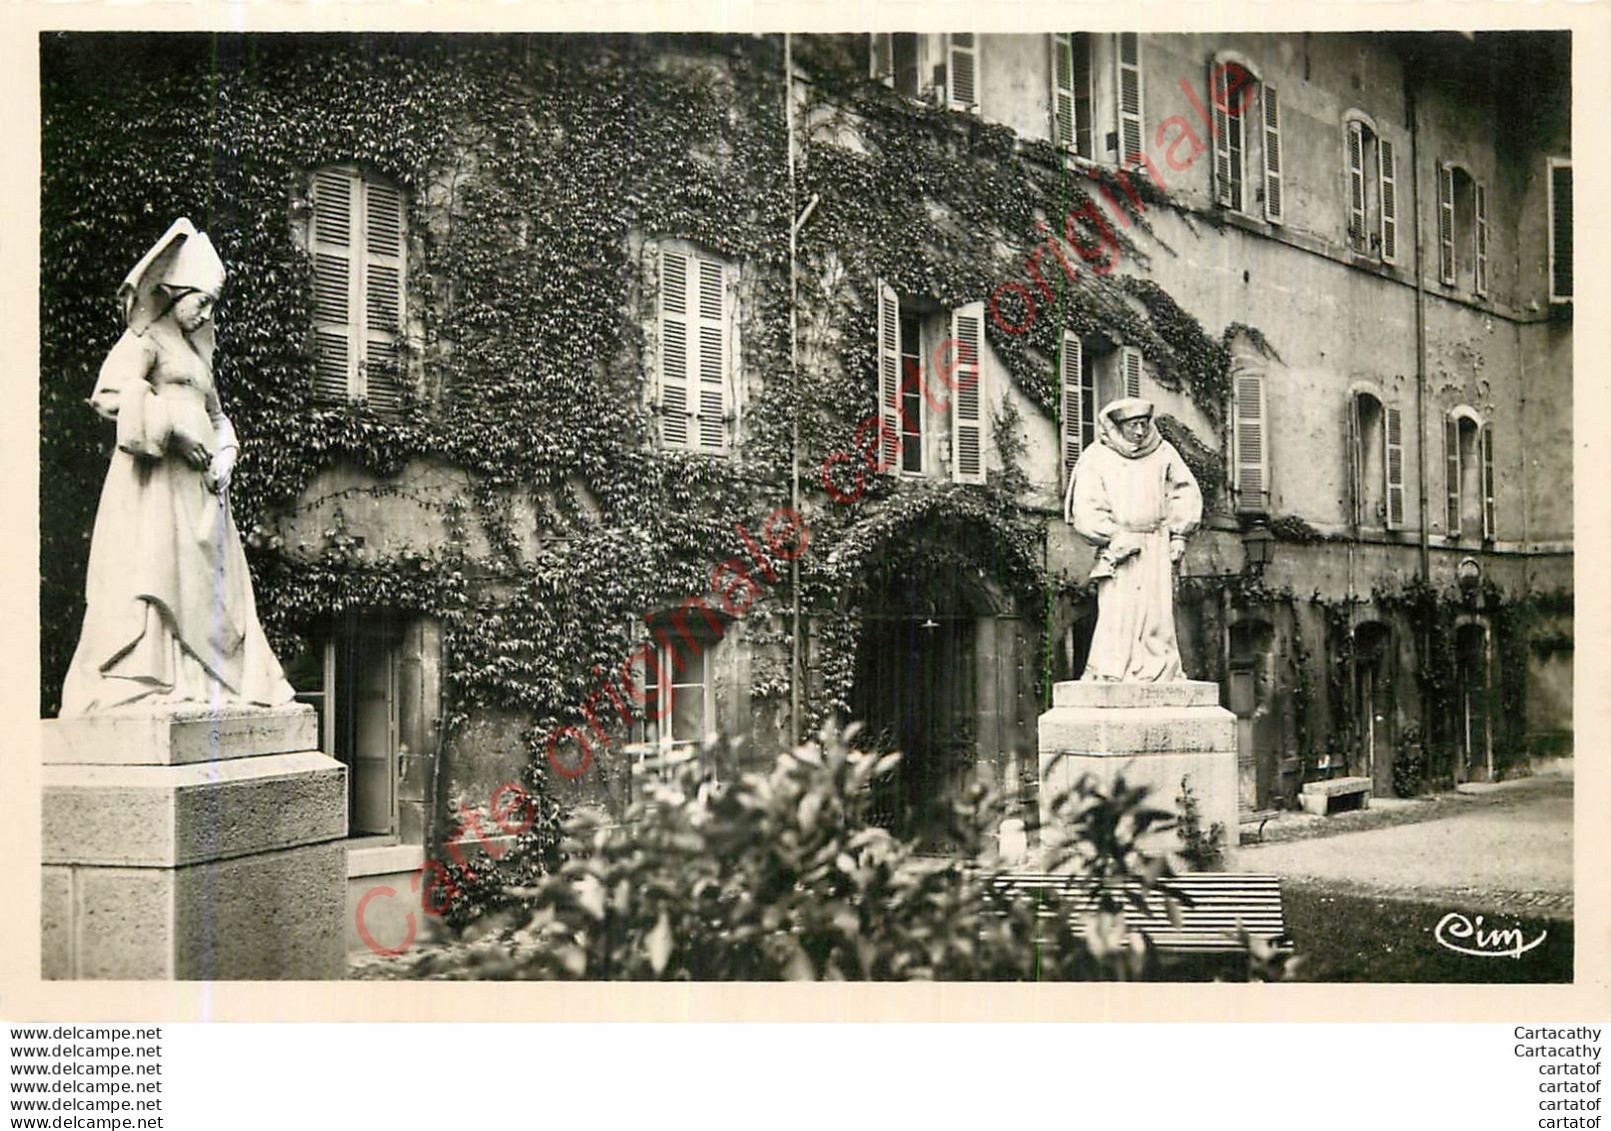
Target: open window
[(898, 61), (1372, 170), (1376, 461), (930, 402), (356, 237), (1073, 95), (1462, 229), (1093, 372), (1469, 474), (1248, 173)]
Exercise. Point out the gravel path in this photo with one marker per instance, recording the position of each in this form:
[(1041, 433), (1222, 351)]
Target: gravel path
[(1508, 851)]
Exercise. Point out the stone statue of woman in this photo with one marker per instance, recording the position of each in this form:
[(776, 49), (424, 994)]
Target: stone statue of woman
[(1134, 498), (169, 616)]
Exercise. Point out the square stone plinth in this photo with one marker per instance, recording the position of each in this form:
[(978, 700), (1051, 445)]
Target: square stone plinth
[(1150, 734), (271, 915), (178, 737), (188, 845)]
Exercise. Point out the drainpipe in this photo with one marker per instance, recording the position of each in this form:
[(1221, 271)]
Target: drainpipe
[(794, 389), (1420, 331)]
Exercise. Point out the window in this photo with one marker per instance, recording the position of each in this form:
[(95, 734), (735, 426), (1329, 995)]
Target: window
[(350, 677), (1469, 474), (1247, 135), (962, 72), (1376, 459), (928, 368), (1462, 227), (359, 258), (1132, 124), (695, 397), (1372, 169), (1092, 375), (685, 685), (897, 61), (1560, 229), (1250, 454), (1073, 96)]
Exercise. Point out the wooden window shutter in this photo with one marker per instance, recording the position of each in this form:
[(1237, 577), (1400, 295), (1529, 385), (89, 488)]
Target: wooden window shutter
[(1356, 461), (1395, 468), (1273, 186), (889, 377), (1451, 473), (1357, 238), (711, 408), (1387, 162), (1084, 95), (676, 350), (1446, 224), (881, 61), (383, 294), (1062, 101), (1252, 458), (1224, 184), (335, 208), (1480, 278), (962, 71), (1132, 132), (967, 418), (1073, 402), (1130, 365), (1560, 230), (1489, 511)]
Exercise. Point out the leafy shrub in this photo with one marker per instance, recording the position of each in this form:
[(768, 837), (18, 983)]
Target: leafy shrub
[(1409, 763), (1202, 850), (779, 875)]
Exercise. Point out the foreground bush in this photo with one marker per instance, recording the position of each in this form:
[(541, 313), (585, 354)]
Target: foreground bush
[(780, 876)]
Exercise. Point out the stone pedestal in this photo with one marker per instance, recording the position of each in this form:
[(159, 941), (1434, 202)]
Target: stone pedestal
[(1153, 734), (192, 845)]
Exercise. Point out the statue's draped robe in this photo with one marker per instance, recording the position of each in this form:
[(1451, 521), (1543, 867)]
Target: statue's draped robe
[(169, 617), (1123, 496)]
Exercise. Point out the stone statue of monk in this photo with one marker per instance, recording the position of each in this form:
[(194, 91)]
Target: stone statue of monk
[(1132, 496)]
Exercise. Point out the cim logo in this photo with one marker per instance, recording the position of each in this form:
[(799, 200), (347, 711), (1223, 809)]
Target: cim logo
[(1462, 935)]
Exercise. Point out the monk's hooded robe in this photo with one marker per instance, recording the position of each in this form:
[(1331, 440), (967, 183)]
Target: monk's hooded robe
[(1133, 499)]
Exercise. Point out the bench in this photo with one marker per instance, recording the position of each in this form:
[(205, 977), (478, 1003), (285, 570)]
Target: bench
[(1317, 796), (1212, 905), (1259, 817)]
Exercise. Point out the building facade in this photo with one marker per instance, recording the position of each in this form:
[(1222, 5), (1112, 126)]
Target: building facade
[(602, 394)]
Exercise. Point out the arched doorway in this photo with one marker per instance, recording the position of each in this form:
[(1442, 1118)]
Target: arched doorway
[(1373, 706), (1473, 730), (939, 678)]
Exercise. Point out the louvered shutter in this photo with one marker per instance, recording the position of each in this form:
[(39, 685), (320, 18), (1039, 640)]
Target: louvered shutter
[(1387, 162), (1252, 467), (881, 50), (1130, 366), (1062, 100), (1395, 469), (678, 348), (711, 409), (1356, 460), (1073, 368), (1446, 224), (967, 417), (383, 294), (1273, 185), (1489, 513), (1560, 231), (889, 377), (1356, 187), (1480, 279), (1451, 473), (1223, 184), (335, 205), (1131, 91), (961, 68), (1084, 142)]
